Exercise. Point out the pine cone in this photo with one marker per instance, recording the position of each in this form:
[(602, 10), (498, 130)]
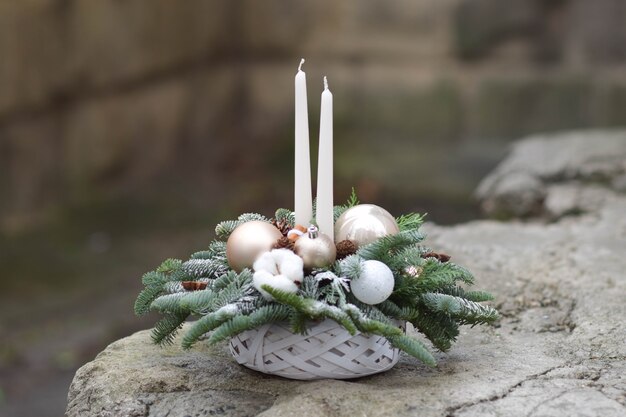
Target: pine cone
[(283, 243), (193, 285), (282, 225), (345, 248), (441, 257)]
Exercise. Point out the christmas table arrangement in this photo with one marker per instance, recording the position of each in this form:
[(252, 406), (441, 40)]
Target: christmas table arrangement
[(323, 291)]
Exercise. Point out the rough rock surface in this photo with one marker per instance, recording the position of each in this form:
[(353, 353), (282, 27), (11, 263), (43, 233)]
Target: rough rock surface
[(551, 174), (559, 350)]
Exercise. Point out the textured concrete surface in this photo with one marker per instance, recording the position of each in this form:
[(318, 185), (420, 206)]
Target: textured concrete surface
[(559, 350)]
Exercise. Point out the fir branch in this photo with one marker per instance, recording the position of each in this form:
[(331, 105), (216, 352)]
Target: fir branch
[(386, 247), (226, 279), (413, 347), (185, 302), (298, 322), (337, 212), (201, 302), (203, 254), (436, 274), (154, 286), (478, 296), (225, 228), (285, 215), (439, 328), (248, 217), (408, 256), (353, 200), (204, 268), (465, 311), (312, 308), (168, 266), (239, 289), (350, 267), (171, 303), (216, 250), (390, 309), (393, 334), (240, 323), (173, 287), (434, 277), (209, 322), (309, 287), (165, 329), (410, 221), (146, 297)]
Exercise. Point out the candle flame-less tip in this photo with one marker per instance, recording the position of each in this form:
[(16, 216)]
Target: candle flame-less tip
[(300, 66), (325, 83)]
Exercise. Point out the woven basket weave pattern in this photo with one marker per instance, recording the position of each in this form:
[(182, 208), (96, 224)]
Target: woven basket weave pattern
[(327, 351)]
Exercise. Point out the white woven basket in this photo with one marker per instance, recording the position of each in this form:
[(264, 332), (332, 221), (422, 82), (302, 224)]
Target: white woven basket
[(327, 351)]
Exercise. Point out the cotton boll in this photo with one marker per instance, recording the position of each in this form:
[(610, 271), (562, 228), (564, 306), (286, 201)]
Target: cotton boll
[(279, 268), (279, 282), (292, 267), (266, 262), (261, 278), (279, 255)]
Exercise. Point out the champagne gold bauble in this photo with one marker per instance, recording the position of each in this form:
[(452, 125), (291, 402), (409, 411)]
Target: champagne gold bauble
[(317, 250), (365, 223), (248, 241)]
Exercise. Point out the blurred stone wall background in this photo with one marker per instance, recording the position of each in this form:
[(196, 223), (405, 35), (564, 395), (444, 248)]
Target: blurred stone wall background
[(111, 99), (129, 127)]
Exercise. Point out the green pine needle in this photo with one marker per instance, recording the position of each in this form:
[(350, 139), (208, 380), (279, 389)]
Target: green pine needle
[(165, 329), (410, 221), (413, 347), (207, 323), (312, 308), (267, 314)]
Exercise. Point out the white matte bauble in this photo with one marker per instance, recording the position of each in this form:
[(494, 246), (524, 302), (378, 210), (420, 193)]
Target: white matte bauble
[(317, 250), (365, 223), (375, 284), (248, 241)]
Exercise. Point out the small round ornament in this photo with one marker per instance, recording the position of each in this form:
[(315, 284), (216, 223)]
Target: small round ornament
[(248, 241), (364, 223), (317, 250), (375, 284)]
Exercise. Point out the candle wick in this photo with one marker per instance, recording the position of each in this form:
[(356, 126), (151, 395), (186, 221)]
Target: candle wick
[(325, 83), (300, 66)]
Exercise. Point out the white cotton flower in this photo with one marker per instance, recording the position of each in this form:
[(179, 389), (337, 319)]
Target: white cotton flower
[(266, 262), (279, 268)]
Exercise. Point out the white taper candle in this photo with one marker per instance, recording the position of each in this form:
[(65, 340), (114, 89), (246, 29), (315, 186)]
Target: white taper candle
[(303, 200), (324, 210)]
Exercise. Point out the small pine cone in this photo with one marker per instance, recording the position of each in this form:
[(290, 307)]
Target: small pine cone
[(441, 257), (283, 243), (345, 248), (193, 285), (282, 225)]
